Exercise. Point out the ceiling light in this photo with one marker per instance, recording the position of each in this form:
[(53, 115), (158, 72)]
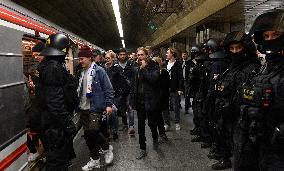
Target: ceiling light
[(115, 7), (123, 44)]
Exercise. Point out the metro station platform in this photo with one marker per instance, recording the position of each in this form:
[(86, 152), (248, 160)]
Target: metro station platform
[(178, 154)]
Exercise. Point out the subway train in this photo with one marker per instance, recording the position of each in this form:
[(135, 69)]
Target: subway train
[(19, 32)]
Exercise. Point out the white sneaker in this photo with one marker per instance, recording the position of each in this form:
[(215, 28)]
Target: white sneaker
[(167, 127), (177, 127), (33, 156), (92, 164), (109, 155)]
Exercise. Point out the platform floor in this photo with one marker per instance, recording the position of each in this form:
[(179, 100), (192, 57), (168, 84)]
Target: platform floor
[(178, 154)]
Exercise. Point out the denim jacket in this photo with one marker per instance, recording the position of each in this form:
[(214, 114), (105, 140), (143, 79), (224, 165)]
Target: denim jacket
[(102, 91)]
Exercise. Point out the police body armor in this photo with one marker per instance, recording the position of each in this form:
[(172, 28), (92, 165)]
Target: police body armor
[(228, 85), (200, 89), (191, 79), (262, 114), (224, 92)]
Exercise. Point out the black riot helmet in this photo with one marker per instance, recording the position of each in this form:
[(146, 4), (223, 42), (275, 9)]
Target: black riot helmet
[(202, 57), (239, 37), (212, 45), (272, 20), (195, 51), (56, 45), (220, 54)]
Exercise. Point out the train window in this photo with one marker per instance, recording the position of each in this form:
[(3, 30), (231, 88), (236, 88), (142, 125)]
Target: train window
[(29, 61)]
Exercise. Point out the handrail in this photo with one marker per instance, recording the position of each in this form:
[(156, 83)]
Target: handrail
[(11, 54), (13, 139), (11, 84)]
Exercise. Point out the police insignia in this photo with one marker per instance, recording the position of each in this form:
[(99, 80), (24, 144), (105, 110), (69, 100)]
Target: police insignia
[(48, 41), (220, 88), (248, 94)]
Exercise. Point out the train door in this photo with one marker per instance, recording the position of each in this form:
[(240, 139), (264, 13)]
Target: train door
[(12, 122)]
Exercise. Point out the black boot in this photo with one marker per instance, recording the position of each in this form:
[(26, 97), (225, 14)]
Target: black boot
[(205, 145), (155, 144), (163, 138), (215, 156), (114, 136), (222, 164), (195, 131), (141, 154), (197, 139), (213, 148)]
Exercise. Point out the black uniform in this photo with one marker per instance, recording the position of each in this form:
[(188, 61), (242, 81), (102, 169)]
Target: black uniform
[(195, 77), (189, 66), (57, 98), (262, 110), (227, 104), (57, 126), (208, 117), (198, 88)]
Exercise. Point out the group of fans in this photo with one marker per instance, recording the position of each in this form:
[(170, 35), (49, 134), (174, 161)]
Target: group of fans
[(237, 103)]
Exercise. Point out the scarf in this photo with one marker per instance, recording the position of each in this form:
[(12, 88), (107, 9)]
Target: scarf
[(90, 74)]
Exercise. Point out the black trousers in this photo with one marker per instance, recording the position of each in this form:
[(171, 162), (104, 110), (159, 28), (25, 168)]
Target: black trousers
[(161, 123), (225, 140), (121, 104), (154, 119), (187, 103), (196, 110), (32, 143), (59, 149), (94, 130), (271, 158), (245, 153)]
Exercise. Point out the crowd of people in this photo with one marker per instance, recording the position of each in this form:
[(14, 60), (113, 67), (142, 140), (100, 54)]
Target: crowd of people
[(237, 102)]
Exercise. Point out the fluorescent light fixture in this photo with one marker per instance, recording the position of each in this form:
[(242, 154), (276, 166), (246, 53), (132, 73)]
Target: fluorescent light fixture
[(123, 44), (115, 7)]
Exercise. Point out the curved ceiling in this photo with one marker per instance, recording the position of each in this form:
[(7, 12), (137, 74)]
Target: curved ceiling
[(94, 20)]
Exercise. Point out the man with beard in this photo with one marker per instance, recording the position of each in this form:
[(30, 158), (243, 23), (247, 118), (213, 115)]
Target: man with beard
[(128, 70)]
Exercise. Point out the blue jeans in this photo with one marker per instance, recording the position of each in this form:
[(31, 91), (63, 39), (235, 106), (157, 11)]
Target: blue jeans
[(130, 115), (175, 100), (113, 120)]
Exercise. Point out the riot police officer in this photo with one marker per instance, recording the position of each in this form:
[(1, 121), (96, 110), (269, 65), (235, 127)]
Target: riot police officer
[(219, 63), (191, 84), (58, 97), (199, 85), (262, 111), (244, 64)]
